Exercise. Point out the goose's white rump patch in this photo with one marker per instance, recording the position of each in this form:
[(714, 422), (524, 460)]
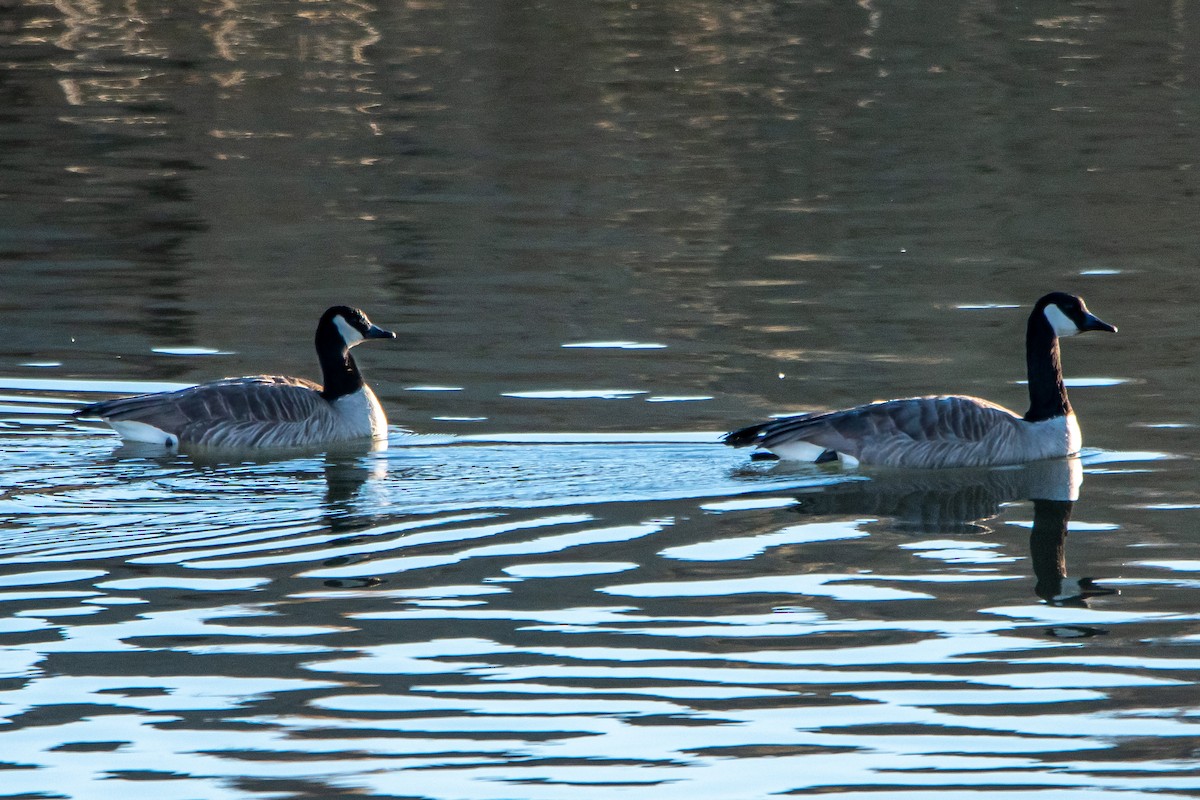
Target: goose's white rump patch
[(132, 431), (798, 451)]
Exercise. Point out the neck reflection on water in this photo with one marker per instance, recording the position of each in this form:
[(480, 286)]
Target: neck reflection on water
[(965, 502)]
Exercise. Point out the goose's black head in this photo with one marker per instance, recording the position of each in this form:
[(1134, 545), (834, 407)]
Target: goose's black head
[(1068, 316), (348, 326)]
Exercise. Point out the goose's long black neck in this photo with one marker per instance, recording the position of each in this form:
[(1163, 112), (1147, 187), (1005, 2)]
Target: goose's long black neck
[(340, 374), (1047, 392)]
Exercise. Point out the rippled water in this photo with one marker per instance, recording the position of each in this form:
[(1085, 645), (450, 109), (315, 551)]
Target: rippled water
[(500, 616), (606, 233)]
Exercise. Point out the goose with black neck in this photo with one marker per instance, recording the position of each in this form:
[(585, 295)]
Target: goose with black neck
[(264, 411), (940, 431)]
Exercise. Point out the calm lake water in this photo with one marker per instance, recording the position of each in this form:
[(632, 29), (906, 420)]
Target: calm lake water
[(606, 232)]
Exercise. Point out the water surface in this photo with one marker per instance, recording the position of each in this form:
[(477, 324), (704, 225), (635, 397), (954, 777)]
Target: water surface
[(606, 234)]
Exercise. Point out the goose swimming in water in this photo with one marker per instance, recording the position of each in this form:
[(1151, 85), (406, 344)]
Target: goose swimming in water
[(264, 411), (953, 430)]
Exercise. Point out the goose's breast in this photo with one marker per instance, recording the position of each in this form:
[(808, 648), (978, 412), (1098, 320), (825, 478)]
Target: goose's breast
[(360, 415), (1053, 438)]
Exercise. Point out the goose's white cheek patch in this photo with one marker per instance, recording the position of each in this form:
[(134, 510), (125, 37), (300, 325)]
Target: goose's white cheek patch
[(1062, 324), (349, 333)]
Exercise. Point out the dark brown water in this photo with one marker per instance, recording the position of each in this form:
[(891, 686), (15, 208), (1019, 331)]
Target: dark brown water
[(605, 232)]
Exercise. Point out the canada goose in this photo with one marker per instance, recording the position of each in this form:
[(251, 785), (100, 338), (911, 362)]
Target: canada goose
[(953, 430), (264, 411)]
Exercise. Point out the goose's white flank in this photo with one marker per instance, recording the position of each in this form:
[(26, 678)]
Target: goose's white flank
[(948, 430), (264, 411)]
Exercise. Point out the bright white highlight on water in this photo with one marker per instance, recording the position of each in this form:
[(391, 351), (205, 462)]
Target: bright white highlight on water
[(841, 587), (190, 351), (185, 584), (79, 385), (41, 578), (921, 698), (1073, 525), (751, 546), (750, 503), (666, 437), (712, 692), (577, 394), (1073, 680), (1095, 457), (1086, 382), (568, 569), (617, 345), (1173, 565), (1169, 506)]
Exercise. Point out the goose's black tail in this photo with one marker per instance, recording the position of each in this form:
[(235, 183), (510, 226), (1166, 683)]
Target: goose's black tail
[(744, 437), (90, 411)]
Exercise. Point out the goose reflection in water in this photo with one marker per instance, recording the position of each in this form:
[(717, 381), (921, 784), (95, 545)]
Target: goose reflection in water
[(1048, 550), (347, 468), (966, 501)]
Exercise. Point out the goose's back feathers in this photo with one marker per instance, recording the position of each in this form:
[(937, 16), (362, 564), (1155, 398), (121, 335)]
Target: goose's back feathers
[(923, 432), (256, 411)]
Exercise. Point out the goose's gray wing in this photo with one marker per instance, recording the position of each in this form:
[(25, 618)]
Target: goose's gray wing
[(237, 411), (936, 431)]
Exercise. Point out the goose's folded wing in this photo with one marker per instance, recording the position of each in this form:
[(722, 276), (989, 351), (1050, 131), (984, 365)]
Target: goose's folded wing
[(257, 399), (913, 432)]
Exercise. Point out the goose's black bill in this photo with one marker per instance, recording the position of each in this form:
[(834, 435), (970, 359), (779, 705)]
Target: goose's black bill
[(376, 332), (1093, 323)]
